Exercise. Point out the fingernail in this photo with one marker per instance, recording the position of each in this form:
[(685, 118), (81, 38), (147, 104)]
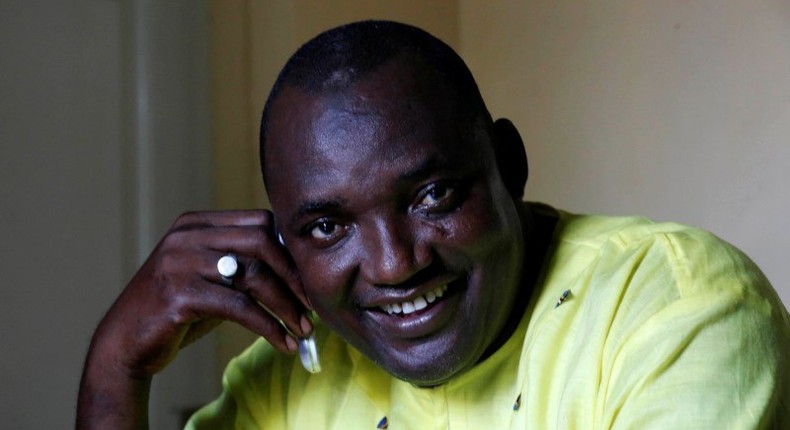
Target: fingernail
[(306, 325), (290, 342)]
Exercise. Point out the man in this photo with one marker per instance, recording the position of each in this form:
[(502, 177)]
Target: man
[(443, 300)]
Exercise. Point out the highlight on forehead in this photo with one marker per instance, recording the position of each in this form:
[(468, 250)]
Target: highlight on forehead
[(338, 58)]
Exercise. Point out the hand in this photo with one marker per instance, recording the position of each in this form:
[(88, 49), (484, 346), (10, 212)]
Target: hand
[(178, 296)]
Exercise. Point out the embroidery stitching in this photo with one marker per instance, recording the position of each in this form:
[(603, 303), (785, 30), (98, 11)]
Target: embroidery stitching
[(563, 297)]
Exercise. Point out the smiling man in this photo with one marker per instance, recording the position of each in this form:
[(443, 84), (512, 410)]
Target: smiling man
[(394, 212), (443, 300)]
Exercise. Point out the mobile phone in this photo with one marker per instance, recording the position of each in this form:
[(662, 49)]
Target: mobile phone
[(308, 351)]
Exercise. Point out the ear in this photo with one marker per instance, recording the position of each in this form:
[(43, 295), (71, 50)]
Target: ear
[(511, 157)]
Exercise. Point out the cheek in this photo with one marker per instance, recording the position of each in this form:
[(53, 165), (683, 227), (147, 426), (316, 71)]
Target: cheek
[(480, 226), (328, 283), (325, 279)]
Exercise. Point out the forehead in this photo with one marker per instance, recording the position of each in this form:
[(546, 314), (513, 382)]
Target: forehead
[(399, 117)]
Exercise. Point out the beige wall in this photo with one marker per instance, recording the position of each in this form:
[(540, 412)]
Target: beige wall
[(677, 110)]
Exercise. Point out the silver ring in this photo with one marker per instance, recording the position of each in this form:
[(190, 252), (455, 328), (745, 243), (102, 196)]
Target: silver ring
[(227, 266)]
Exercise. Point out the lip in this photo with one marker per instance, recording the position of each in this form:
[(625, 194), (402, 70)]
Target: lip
[(423, 322), (393, 295)]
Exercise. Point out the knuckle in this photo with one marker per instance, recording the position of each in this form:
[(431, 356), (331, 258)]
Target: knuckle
[(263, 282), (180, 317), (240, 308), (186, 218), (255, 268), (266, 217), (174, 239), (168, 261), (240, 303), (259, 235), (179, 304)]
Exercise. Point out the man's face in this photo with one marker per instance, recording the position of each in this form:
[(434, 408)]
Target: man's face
[(389, 201)]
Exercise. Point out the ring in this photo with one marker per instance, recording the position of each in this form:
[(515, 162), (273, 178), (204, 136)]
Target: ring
[(227, 266)]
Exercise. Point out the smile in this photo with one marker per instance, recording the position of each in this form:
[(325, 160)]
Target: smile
[(418, 303)]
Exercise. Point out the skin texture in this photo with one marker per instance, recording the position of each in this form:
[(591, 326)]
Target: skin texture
[(175, 298), (383, 191)]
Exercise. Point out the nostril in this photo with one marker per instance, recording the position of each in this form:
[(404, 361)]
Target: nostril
[(394, 268), (394, 253), (419, 277)]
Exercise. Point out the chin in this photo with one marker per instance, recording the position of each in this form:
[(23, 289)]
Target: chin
[(432, 361), (426, 368)]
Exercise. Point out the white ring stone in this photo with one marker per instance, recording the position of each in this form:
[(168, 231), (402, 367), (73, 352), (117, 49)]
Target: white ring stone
[(227, 266)]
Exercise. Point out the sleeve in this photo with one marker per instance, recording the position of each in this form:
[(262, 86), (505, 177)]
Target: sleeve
[(715, 357), (219, 414)]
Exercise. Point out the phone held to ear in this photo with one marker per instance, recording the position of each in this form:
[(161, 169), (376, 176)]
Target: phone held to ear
[(308, 352)]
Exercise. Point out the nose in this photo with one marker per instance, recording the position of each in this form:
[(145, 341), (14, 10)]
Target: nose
[(394, 253)]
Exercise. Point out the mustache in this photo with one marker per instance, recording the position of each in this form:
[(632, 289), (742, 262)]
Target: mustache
[(436, 269)]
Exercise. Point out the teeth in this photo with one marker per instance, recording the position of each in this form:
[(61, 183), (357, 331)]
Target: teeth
[(419, 303), (430, 296)]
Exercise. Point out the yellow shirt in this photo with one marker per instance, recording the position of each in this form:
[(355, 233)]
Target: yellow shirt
[(663, 327)]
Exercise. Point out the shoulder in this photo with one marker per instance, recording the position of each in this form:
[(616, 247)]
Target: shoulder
[(662, 313), (693, 259), (633, 278)]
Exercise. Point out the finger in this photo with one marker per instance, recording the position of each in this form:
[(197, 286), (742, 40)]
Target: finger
[(212, 301), (203, 219), (259, 281), (258, 242)]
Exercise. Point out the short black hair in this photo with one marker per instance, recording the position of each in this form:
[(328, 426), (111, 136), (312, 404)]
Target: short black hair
[(339, 57)]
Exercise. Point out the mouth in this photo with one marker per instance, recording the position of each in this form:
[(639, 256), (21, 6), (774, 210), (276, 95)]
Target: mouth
[(416, 304), (418, 315)]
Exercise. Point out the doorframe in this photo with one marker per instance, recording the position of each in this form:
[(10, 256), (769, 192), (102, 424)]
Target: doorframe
[(167, 167)]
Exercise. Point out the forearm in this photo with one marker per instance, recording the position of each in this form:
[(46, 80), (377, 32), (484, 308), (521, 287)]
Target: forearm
[(110, 398)]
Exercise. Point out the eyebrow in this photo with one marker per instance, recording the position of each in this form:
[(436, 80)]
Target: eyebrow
[(422, 170), (317, 206)]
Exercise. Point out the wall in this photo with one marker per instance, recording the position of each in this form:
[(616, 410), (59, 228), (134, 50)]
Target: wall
[(59, 153), (103, 141), (677, 110)]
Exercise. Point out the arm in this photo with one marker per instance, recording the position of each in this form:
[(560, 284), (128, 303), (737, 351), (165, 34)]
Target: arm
[(178, 296), (109, 397)]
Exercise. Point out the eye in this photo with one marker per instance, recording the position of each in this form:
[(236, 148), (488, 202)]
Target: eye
[(438, 197), (436, 194), (324, 230)]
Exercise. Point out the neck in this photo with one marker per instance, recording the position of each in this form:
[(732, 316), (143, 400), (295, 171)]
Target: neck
[(537, 230)]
